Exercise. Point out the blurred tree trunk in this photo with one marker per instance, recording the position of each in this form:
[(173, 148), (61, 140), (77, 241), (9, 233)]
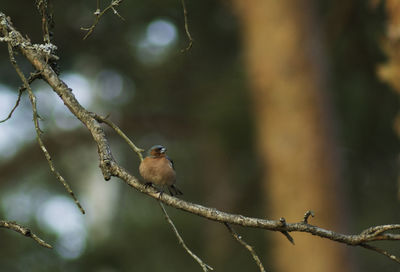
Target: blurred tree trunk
[(390, 71), (285, 71)]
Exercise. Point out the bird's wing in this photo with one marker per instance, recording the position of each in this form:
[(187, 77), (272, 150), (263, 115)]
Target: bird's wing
[(171, 162)]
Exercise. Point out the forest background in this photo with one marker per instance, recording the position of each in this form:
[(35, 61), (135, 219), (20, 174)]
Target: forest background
[(279, 107)]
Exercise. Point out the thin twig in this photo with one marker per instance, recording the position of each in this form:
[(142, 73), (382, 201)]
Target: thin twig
[(36, 117), (203, 265), (32, 98), (31, 78), (24, 231), (185, 17), (247, 246), (14, 108), (43, 8), (105, 120), (376, 230), (378, 233), (98, 14), (381, 251)]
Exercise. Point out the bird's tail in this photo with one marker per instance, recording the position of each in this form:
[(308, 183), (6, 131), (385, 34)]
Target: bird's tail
[(174, 191)]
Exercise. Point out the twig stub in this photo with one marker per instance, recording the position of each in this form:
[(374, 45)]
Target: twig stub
[(307, 215)]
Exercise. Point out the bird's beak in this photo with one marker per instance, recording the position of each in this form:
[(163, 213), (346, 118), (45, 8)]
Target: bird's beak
[(162, 151)]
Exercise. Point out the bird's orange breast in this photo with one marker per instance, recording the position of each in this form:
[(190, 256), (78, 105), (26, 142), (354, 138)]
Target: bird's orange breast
[(158, 171)]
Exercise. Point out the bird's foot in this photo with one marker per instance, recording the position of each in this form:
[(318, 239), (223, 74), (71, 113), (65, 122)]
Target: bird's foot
[(160, 193)]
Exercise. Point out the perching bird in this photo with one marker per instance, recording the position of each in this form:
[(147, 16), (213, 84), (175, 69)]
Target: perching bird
[(158, 169)]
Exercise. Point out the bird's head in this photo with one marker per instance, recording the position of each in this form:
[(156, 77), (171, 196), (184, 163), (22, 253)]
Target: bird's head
[(157, 151)]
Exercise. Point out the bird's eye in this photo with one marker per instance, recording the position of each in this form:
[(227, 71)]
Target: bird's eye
[(158, 150)]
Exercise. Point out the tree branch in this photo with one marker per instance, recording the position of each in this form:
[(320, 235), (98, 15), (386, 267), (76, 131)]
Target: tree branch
[(24, 231), (109, 167)]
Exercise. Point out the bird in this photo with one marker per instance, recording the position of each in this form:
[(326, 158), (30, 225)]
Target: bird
[(158, 169)]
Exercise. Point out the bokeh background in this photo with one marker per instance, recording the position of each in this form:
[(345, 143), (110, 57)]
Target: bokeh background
[(264, 83)]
